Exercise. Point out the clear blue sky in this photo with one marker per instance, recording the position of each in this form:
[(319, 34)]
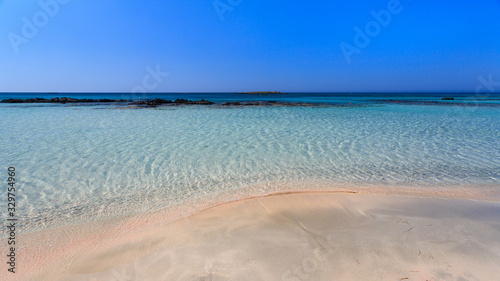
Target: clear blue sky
[(294, 46)]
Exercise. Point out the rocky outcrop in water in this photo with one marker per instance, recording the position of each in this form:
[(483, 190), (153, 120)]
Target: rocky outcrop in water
[(61, 100), (159, 102)]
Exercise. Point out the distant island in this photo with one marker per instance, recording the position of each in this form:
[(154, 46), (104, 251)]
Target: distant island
[(262, 93)]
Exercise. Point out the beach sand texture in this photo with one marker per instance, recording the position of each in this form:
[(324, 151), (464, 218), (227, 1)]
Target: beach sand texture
[(297, 236)]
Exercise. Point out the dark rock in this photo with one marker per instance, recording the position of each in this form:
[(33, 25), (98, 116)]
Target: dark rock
[(448, 99), (200, 102), (12, 101), (141, 102), (61, 100), (203, 102), (162, 101), (181, 101), (159, 102), (232, 103), (151, 103)]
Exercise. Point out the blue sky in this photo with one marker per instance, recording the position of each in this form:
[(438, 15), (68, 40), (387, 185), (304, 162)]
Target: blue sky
[(291, 46)]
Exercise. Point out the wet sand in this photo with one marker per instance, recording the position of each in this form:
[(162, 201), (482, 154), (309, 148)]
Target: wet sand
[(297, 236)]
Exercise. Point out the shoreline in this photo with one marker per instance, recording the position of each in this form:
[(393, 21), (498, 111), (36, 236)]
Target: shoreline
[(70, 247), (191, 206)]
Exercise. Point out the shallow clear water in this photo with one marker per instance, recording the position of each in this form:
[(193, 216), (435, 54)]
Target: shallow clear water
[(104, 161)]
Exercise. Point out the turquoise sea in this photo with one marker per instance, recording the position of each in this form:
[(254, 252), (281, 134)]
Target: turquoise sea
[(84, 163)]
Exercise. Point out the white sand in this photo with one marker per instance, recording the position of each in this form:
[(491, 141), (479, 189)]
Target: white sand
[(302, 236)]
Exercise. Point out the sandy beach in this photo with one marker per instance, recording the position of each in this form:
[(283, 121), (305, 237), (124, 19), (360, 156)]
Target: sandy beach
[(250, 140), (296, 236)]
